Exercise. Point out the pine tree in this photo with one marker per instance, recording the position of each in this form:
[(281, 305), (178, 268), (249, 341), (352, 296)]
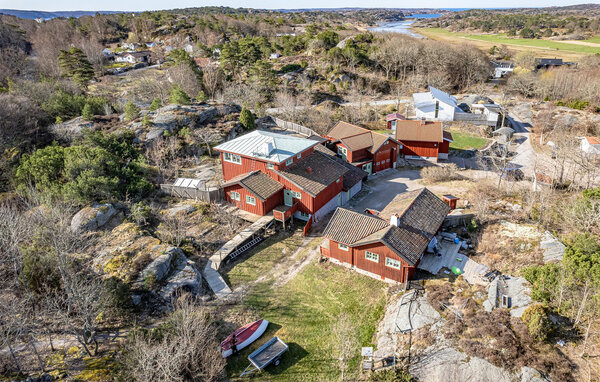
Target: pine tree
[(178, 96), (131, 111), (156, 104), (75, 65), (247, 119), (87, 113)]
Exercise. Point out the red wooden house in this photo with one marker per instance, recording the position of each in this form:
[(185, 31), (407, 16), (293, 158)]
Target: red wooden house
[(265, 171), (363, 148), (423, 140), (386, 249)]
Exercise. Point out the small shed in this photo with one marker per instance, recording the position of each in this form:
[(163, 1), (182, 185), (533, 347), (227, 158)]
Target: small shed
[(391, 120), (505, 132), (450, 200)]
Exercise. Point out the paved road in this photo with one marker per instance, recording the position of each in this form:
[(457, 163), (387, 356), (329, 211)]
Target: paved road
[(275, 110), (525, 157)]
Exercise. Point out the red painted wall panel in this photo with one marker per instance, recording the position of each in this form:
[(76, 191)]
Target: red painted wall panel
[(445, 147), (423, 149), (261, 208)]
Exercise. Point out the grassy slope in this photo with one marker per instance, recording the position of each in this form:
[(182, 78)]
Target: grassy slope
[(465, 141), (556, 48), (303, 313)]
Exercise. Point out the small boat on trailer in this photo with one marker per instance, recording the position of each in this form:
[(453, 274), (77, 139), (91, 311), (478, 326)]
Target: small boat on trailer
[(244, 336)]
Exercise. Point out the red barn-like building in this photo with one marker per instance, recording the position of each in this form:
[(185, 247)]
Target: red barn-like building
[(388, 249), (423, 140), (265, 171), (363, 148)]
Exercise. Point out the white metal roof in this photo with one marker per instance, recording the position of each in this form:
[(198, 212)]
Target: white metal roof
[(253, 144), (443, 96), (187, 183)]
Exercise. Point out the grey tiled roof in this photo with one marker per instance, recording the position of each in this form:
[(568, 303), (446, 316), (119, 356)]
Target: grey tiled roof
[(258, 183), (348, 226), (314, 173), (354, 174)]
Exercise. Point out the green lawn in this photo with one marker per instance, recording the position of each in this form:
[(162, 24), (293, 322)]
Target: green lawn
[(303, 312), (595, 39), (504, 39), (263, 257), (466, 141)]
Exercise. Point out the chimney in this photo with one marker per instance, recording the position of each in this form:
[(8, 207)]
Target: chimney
[(394, 220), (309, 170)]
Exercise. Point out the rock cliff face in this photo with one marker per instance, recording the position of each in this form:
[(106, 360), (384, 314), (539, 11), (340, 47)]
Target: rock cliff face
[(222, 118)]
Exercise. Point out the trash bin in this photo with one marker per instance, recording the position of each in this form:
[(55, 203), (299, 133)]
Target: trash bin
[(456, 240)]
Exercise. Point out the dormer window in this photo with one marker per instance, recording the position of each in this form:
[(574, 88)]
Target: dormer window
[(289, 162)]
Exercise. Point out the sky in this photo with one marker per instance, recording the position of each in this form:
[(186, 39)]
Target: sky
[(143, 5)]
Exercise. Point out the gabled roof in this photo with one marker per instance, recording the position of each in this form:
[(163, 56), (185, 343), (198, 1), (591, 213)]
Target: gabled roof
[(419, 131), (422, 100), (393, 116), (254, 143), (258, 183), (314, 173), (448, 136), (593, 140), (421, 213), (348, 227), (357, 138), (354, 174)]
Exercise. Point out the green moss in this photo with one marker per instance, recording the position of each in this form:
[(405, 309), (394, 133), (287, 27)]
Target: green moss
[(98, 369)]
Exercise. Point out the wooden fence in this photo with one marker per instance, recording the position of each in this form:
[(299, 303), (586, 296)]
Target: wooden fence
[(207, 195), (294, 127)]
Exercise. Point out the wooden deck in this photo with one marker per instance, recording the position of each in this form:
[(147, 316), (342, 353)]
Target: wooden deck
[(241, 242)]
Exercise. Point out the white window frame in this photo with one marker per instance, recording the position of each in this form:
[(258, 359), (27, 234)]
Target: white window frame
[(250, 200), (299, 156), (343, 247), (391, 263), (304, 214), (296, 194), (235, 196), (371, 256), (342, 150), (270, 166), (289, 162), (337, 181), (232, 158)]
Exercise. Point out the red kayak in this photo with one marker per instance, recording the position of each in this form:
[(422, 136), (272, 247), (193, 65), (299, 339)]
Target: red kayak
[(244, 336)]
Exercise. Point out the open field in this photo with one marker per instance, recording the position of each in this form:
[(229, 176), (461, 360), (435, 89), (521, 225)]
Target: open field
[(560, 49), (303, 313), (466, 141)]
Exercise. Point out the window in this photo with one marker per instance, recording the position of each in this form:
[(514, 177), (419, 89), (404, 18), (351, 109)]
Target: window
[(235, 196), (372, 256), (337, 181), (304, 214), (289, 161), (251, 200), (296, 195), (232, 158), (270, 166), (393, 125), (387, 160), (343, 247), (299, 156), (392, 263), (342, 150)]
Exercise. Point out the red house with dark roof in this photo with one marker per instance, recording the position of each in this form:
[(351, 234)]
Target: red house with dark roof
[(265, 171), (386, 245), (423, 140), (363, 148), (392, 120)]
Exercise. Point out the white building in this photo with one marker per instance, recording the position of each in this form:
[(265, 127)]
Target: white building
[(492, 112), (435, 105), (502, 68), (590, 145)]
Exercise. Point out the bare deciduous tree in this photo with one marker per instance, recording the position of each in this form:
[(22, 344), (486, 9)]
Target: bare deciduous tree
[(347, 344)]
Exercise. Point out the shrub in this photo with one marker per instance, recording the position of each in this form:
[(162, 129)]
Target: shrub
[(178, 96), (578, 104), (440, 173), (140, 214), (247, 119), (290, 68), (132, 112), (117, 297), (537, 321), (146, 121), (87, 113), (156, 104)]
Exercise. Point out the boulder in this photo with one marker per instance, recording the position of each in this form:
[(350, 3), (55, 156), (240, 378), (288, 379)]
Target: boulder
[(179, 209), (92, 218), (71, 129), (154, 134), (165, 121), (186, 279), (164, 264), (529, 374), (207, 115)]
